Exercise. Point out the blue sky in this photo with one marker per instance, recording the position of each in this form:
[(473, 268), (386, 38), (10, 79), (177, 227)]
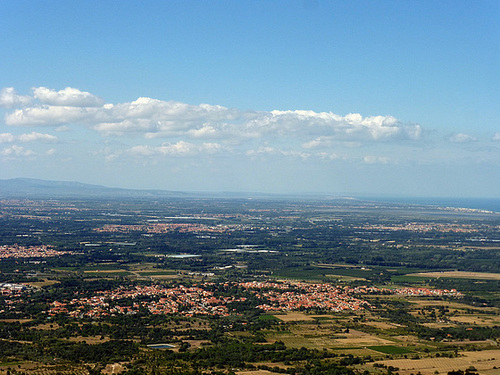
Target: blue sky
[(339, 97)]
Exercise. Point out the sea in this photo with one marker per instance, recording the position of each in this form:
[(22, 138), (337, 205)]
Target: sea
[(488, 204)]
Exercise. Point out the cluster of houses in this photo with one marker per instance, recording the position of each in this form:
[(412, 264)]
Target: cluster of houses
[(17, 251), (161, 228), (203, 298)]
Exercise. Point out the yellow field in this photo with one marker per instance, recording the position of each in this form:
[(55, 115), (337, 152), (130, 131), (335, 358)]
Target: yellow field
[(439, 325), (294, 317), (40, 284), (34, 368), (162, 277), (89, 339), (358, 338), (47, 326), (15, 320), (459, 275), (256, 372), (483, 361)]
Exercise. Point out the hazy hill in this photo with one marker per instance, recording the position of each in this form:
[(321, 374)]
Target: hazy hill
[(34, 188)]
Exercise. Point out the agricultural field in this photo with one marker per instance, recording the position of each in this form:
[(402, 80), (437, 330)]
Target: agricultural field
[(260, 287), (459, 275)]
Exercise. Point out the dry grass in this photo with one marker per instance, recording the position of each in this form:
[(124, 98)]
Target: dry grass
[(162, 277), (89, 339), (47, 326), (439, 325), (294, 316), (40, 284), (325, 339), (480, 320), (34, 368), (257, 372), (358, 338), (381, 325), (197, 343), (483, 361), (407, 340), (15, 320)]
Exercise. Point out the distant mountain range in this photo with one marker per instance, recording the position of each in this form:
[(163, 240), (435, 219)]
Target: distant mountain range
[(22, 188), (19, 188), (34, 188)]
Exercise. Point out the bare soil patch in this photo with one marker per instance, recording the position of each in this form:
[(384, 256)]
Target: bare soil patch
[(113, 368)]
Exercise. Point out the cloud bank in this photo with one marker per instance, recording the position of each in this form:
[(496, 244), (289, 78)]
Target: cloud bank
[(74, 133), (153, 118)]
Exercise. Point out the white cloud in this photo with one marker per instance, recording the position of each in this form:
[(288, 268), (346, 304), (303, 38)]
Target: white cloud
[(496, 137), (180, 148), (67, 97), (7, 138), (462, 138), (325, 127), (329, 155), (266, 150), (205, 129), (319, 142), (31, 137), (34, 136), (370, 159), (204, 132), (50, 116), (154, 118), (261, 150), (10, 99), (16, 150), (126, 126)]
